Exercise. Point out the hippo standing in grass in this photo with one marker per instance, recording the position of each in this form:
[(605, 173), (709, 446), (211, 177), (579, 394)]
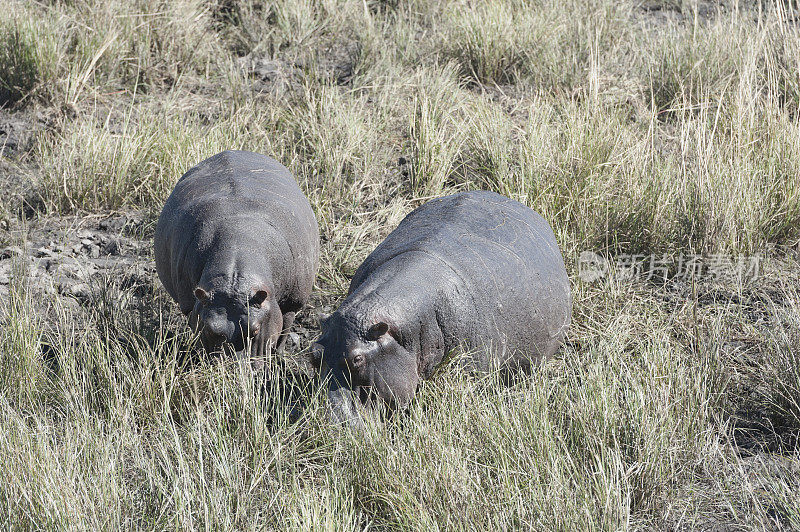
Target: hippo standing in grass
[(474, 270), (237, 246)]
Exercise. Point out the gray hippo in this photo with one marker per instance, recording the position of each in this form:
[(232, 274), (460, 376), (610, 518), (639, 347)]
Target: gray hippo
[(237, 246), (476, 271)]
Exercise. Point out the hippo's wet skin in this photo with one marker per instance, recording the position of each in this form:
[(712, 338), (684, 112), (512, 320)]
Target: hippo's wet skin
[(237, 246), (474, 270)]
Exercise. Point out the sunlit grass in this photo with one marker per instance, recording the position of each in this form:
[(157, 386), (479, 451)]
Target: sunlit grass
[(629, 133)]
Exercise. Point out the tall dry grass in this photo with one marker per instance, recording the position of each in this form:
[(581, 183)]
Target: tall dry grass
[(632, 130)]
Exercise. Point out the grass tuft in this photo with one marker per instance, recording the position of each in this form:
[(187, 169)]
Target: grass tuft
[(19, 69)]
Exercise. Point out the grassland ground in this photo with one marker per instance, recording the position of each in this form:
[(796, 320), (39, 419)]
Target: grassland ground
[(665, 129)]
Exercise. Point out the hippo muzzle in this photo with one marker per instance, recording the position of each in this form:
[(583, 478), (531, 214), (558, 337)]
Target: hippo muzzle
[(219, 334), (343, 406), (348, 398)]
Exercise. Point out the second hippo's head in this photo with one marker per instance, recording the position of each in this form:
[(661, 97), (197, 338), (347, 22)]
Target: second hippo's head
[(362, 361)]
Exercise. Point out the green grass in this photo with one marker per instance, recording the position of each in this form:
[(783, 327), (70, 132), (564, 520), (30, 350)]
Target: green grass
[(18, 64), (629, 132)]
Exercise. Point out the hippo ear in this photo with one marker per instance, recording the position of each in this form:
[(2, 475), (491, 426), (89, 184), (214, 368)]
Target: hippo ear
[(200, 294), (260, 296), (377, 330)]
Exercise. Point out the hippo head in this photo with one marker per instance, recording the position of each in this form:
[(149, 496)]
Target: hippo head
[(364, 362), (229, 317)]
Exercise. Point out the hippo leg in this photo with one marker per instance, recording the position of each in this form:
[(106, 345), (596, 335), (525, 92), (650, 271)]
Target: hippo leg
[(266, 338), (288, 320)]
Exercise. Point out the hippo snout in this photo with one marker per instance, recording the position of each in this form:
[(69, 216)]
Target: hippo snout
[(216, 324), (343, 407), (218, 332)]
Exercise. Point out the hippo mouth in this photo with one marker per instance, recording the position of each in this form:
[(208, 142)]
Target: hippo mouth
[(238, 348), (349, 406), (343, 407)]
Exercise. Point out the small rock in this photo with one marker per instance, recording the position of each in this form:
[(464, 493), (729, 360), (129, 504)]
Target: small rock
[(51, 265), (87, 242), (5, 274), (80, 291), (113, 224), (294, 339), (112, 247), (42, 252), (94, 251), (14, 137), (75, 269), (9, 252), (267, 69)]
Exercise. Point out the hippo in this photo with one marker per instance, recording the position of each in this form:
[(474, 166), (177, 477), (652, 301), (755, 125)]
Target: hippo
[(237, 247), (474, 271)]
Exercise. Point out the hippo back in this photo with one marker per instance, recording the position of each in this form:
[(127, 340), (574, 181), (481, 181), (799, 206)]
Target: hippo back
[(237, 202), (495, 267)]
